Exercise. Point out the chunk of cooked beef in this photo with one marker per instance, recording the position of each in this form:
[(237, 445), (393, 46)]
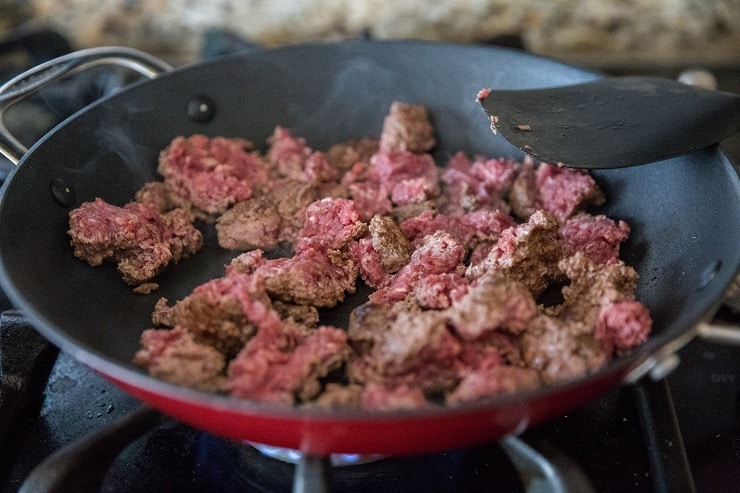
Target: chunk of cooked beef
[(287, 153), (623, 325), (337, 396), (211, 174), (371, 199), (246, 262), (439, 253), (477, 184), (470, 229), (156, 196), (439, 291), (174, 356), (397, 171), (290, 198), (369, 263), (305, 315), (330, 224), (402, 347), (345, 155), (322, 270), (390, 243), (561, 349), (225, 312), (599, 237), (491, 381), (528, 253), (493, 302), (564, 191), (183, 238), (407, 127), (523, 194), (286, 366), (593, 286), (138, 239), (253, 223), (311, 277), (376, 397)]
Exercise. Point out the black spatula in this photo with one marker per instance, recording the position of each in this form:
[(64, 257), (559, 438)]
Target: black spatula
[(612, 122)]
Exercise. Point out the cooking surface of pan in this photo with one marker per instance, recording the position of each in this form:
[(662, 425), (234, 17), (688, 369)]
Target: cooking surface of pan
[(683, 214)]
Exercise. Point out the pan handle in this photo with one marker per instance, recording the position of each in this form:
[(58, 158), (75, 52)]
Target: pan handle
[(34, 79)]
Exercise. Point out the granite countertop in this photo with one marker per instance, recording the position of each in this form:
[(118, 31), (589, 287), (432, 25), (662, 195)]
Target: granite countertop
[(596, 33)]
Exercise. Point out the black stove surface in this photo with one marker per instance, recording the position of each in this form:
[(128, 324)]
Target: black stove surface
[(57, 401)]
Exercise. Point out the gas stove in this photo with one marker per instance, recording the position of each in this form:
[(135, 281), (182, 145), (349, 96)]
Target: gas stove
[(681, 433)]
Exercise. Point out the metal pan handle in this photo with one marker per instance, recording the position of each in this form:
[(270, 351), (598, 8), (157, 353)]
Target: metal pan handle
[(34, 79)]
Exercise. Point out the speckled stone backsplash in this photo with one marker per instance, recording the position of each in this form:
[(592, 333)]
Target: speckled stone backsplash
[(597, 33)]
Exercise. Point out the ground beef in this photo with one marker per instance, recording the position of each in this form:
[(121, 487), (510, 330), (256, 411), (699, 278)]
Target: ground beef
[(470, 229), (439, 253), (412, 348), (369, 263), (337, 396), (330, 224), (297, 314), (561, 349), (345, 155), (379, 398), (563, 191), (477, 184), (290, 198), (593, 286), (174, 356), (528, 253), (523, 194), (598, 237), (406, 175), (487, 382), (439, 291), (141, 241), (390, 243), (211, 174), (310, 277), (254, 223), (286, 366), (247, 262), (156, 196), (623, 325), (225, 312), (407, 128), (371, 199), (456, 313), (288, 153), (493, 302), (183, 238)]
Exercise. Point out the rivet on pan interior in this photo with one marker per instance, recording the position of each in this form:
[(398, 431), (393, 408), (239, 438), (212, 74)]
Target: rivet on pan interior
[(709, 273), (63, 193), (201, 109)]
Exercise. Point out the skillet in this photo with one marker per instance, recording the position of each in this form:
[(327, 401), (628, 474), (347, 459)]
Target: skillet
[(683, 213)]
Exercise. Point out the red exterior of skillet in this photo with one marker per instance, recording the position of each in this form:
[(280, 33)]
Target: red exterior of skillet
[(684, 238)]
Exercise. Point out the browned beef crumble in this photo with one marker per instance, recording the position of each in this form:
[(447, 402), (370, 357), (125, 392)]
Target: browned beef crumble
[(139, 239)]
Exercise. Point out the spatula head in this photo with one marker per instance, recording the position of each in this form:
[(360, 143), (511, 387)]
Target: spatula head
[(612, 122)]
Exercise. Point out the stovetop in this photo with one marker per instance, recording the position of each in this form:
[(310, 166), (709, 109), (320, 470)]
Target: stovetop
[(677, 434)]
